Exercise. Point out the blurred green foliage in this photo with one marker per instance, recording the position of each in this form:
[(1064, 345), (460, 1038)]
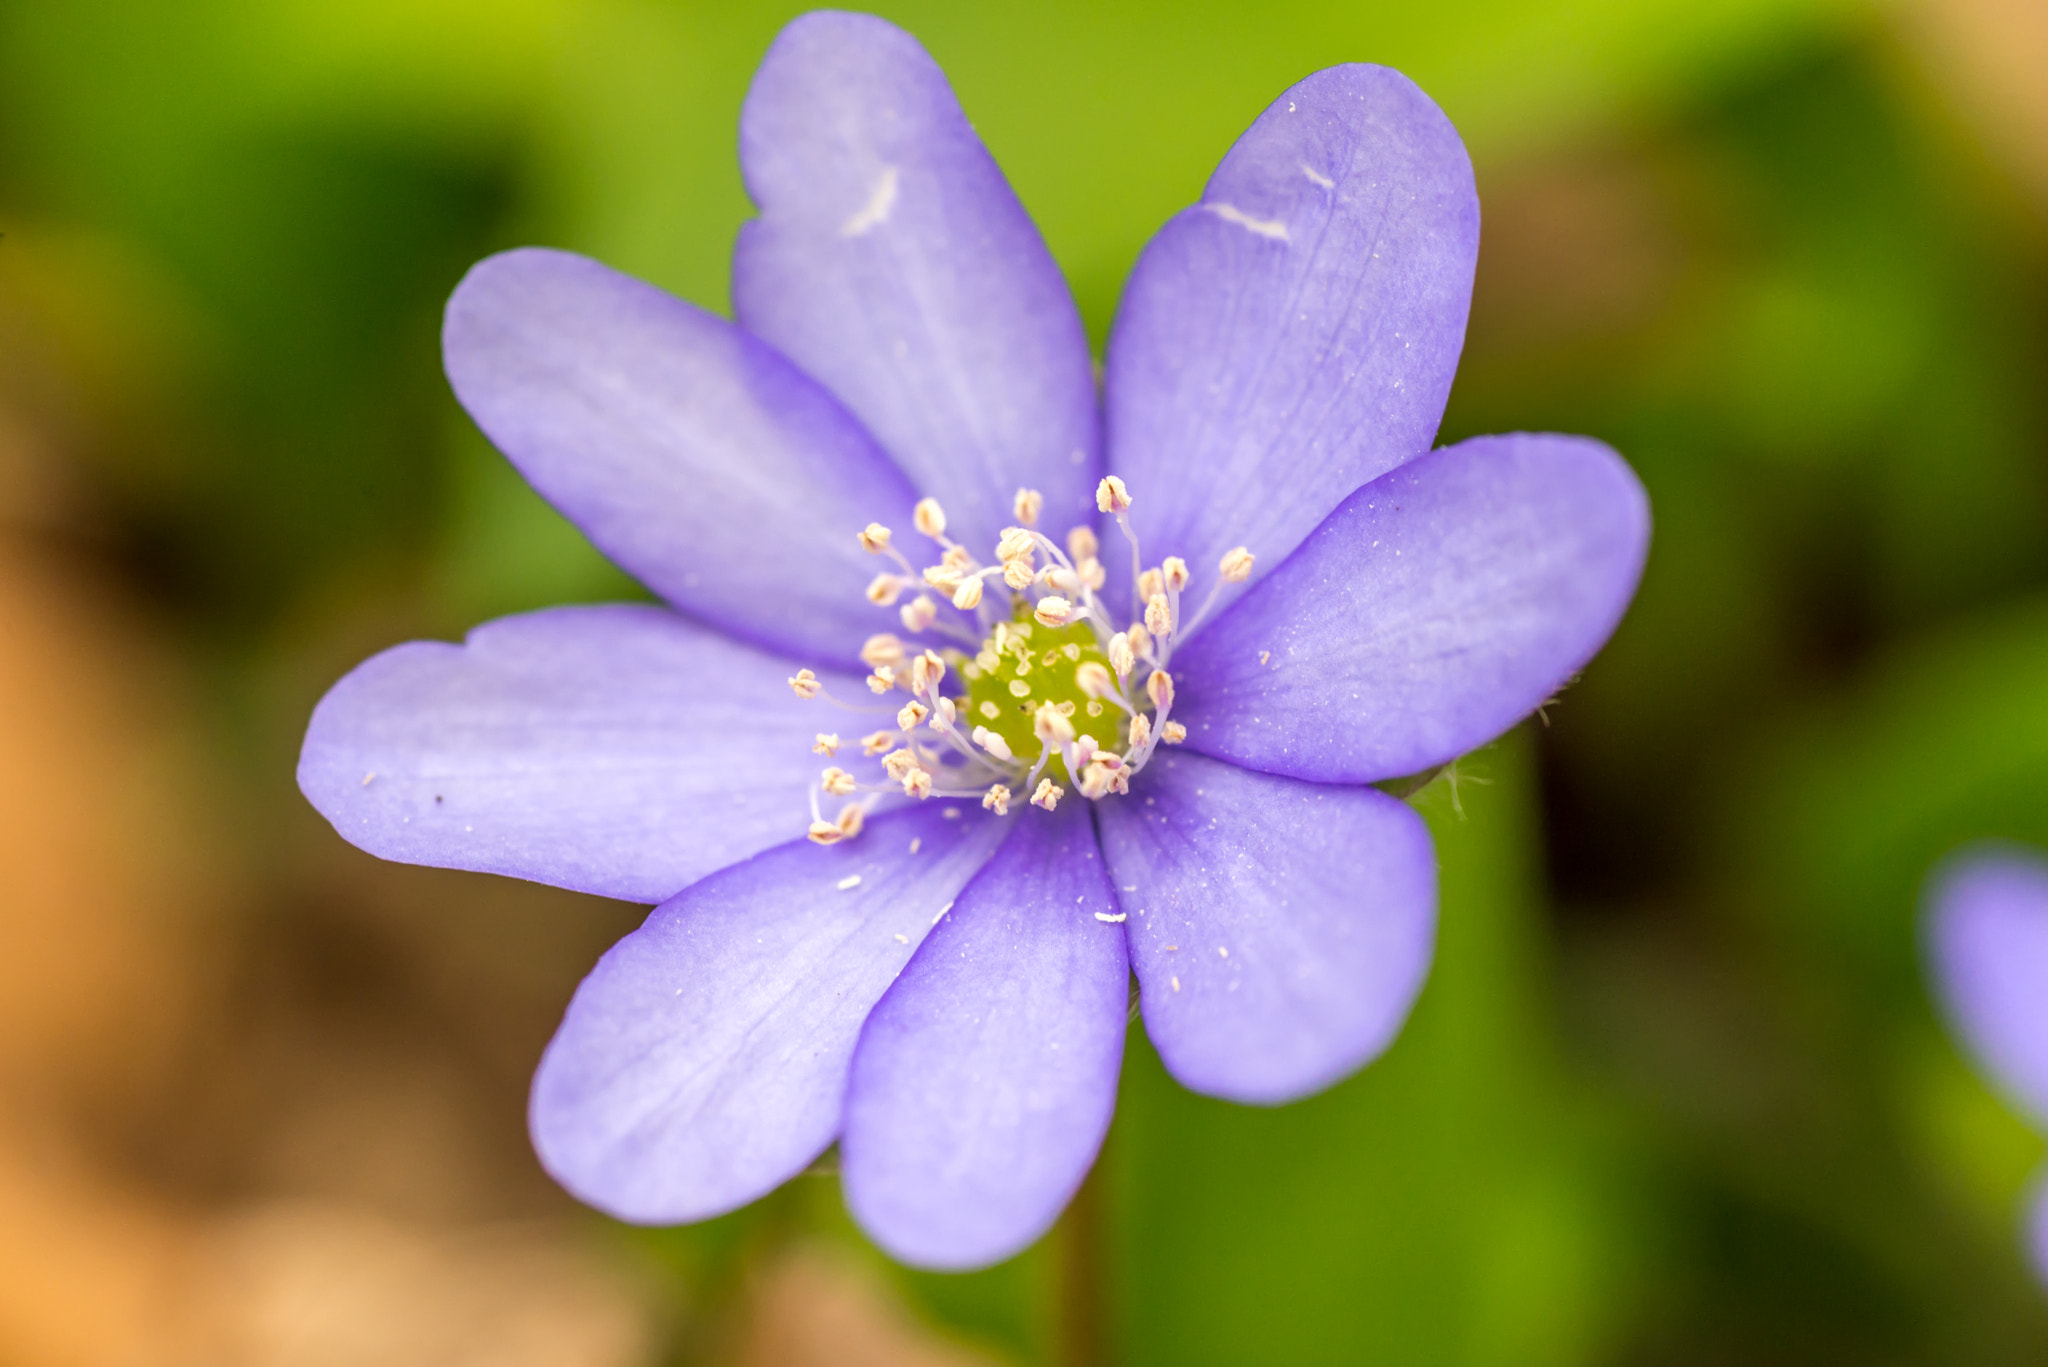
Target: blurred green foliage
[(1674, 1094)]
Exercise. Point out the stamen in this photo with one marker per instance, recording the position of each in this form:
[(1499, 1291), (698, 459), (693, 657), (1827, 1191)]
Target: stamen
[(1082, 545), (1094, 681), (1048, 795), (997, 799), (806, 685), (881, 650), (1175, 571), (837, 781), (1151, 583), (826, 833), (957, 559), (1027, 506), (898, 763), (885, 589), (944, 715), (874, 538), (926, 671), (1016, 543), (882, 680), (944, 578), (875, 742), (1236, 565), (1140, 639), (1173, 733), (1018, 574), (968, 596), (919, 613), (826, 744), (918, 784), (1090, 572), (1053, 612), (1141, 731), (1111, 496), (1159, 688), (851, 818), (929, 518), (912, 713), (1050, 726)]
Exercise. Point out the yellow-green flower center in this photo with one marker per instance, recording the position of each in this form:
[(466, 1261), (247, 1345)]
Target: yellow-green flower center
[(1022, 666)]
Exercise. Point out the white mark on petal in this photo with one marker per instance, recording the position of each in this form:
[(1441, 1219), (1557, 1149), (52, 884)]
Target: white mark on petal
[(915, 842), (875, 212), (369, 778), (849, 883), (902, 939), (1318, 177), (1264, 227), (1113, 918)]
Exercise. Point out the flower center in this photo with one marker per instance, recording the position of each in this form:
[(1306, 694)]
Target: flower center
[(1052, 693)]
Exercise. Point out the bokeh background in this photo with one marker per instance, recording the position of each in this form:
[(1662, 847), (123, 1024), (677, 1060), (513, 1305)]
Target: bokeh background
[(1675, 1093)]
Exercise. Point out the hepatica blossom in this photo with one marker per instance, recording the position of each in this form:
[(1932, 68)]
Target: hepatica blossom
[(1988, 942), (976, 688)]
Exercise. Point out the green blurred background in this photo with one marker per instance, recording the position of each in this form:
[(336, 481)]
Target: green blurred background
[(1674, 1094)]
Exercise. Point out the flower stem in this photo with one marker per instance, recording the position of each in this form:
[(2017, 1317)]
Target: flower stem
[(1082, 1269)]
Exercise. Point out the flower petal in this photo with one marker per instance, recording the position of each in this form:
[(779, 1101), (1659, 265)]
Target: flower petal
[(1988, 939), (984, 1082), (1438, 606), (1280, 930), (694, 456), (619, 750), (893, 261), (1294, 335), (703, 1061)]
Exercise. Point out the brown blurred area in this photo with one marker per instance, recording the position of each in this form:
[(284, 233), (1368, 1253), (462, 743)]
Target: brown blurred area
[(261, 1096)]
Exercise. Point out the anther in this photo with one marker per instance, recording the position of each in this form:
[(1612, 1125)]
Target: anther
[(1090, 572), (912, 713), (836, 781), (1094, 782), (1053, 612), (825, 833), (885, 589), (1111, 496), (996, 799), (1082, 545), (944, 578), (928, 517), (1094, 681), (1159, 688), (919, 613), (1049, 726), (926, 671), (968, 596), (1140, 639), (1158, 616), (1175, 571), (993, 743), (944, 715), (1016, 543), (1017, 574), (851, 819), (898, 763), (882, 680), (881, 650), (875, 742), (1151, 584), (1173, 733), (1141, 730), (1027, 505), (918, 784), (805, 684), (1048, 795), (1121, 657), (957, 559), (874, 538), (1236, 565), (825, 744)]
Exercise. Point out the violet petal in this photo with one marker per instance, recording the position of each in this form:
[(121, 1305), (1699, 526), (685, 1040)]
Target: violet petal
[(620, 750), (985, 1080), (693, 455), (1294, 335), (703, 1061), (1434, 609), (893, 262), (1280, 930), (1989, 944)]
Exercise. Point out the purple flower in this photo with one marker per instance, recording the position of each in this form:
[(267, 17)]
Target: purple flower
[(937, 978), (1988, 942)]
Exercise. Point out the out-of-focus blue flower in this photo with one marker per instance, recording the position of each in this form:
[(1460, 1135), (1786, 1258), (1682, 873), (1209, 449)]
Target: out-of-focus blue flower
[(937, 977), (1988, 943)]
